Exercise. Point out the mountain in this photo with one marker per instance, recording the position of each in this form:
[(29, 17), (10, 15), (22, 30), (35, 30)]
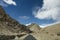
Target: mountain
[(53, 29), (50, 32), (34, 27), (36, 30), (10, 25)]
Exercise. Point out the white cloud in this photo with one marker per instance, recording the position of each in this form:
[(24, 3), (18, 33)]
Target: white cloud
[(24, 17), (10, 2), (5, 3), (28, 24), (49, 10)]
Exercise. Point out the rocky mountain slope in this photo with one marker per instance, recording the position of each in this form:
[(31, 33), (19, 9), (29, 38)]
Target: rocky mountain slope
[(10, 25)]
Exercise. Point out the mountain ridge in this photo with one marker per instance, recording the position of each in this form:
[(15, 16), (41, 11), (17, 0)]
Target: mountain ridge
[(10, 23)]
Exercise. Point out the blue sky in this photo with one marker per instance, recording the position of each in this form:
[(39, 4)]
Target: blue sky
[(29, 11)]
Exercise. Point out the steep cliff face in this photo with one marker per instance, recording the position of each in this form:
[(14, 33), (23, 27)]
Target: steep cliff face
[(10, 24)]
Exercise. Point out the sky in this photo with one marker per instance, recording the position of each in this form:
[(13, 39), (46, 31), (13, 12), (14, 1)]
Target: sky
[(41, 12)]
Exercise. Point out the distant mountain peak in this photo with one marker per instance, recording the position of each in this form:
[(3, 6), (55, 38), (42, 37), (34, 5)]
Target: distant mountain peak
[(34, 27)]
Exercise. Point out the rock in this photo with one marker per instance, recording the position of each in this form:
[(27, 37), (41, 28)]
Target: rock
[(29, 37)]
